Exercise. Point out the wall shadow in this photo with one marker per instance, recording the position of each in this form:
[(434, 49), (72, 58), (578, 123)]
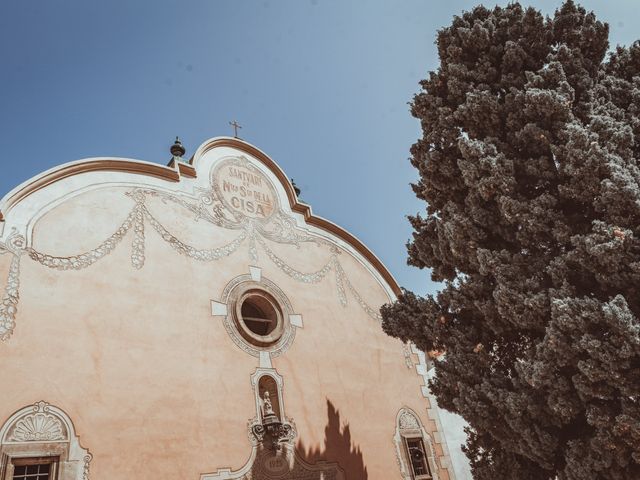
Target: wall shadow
[(339, 459), (338, 447)]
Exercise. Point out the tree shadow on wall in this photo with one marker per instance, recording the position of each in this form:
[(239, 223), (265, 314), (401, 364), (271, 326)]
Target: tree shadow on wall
[(339, 459), (338, 448)]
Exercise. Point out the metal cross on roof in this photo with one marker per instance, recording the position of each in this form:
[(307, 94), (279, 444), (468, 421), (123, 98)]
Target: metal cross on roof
[(235, 126)]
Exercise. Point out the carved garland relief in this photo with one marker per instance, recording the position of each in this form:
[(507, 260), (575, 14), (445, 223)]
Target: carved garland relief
[(241, 198)]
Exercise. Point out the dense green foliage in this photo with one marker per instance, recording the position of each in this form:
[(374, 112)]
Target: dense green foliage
[(529, 169)]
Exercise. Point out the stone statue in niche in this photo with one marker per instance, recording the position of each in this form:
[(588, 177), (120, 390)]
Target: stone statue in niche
[(266, 405)]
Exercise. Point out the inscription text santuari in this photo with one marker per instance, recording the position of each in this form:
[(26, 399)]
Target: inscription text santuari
[(244, 190)]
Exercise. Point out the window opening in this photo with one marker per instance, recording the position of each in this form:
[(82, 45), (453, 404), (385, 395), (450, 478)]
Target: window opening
[(418, 458), (42, 468), (259, 315)]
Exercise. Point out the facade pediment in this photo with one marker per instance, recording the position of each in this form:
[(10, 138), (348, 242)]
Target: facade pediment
[(21, 207), (233, 187), (184, 316)]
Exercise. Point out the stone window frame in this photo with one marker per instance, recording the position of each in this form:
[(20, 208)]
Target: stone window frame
[(53, 463), (43, 430), (229, 300), (244, 293), (408, 426)]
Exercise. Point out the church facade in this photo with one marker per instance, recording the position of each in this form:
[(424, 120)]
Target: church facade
[(197, 321)]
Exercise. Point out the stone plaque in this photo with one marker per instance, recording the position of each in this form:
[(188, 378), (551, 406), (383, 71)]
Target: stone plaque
[(276, 465), (244, 189)]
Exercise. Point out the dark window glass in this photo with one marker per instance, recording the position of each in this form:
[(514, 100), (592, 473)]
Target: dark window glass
[(418, 457), (259, 315), (20, 470), (32, 468)]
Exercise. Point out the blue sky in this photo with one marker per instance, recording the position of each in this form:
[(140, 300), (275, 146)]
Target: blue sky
[(320, 85)]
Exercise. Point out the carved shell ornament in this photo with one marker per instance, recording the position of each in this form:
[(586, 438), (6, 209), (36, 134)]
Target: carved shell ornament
[(38, 426), (240, 198)]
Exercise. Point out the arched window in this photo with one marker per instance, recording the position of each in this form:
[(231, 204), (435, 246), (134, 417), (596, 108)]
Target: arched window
[(413, 448), (39, 442)]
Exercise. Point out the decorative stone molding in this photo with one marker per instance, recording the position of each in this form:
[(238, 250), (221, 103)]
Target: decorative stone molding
[(425, 369), (42, 430), (408, 425), (231, 295), (39, 426), (408, 421), (267, 463), (14, 246), (213, 205), (264, 464), (255, 381), (125, 170), (406, 351), (85, 468)]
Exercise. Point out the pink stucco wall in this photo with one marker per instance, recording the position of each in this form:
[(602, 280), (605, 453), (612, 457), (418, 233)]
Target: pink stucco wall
[(152, 381)]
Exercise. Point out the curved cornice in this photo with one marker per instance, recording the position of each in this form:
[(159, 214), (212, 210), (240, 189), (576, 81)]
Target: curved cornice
[(174, 173), (84, 166), (297, 206)]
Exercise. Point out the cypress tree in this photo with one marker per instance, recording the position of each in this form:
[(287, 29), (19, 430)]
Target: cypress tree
[(528, 168)]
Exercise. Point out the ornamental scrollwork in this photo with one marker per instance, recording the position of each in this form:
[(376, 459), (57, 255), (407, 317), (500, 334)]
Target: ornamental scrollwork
[(35, 428), (38, 427), (204, 255), (85, 468), (406, 351), (408, 425), (408, 421), (205, 204), (313, 277), (84, 260), (14, 246), (229, 297)]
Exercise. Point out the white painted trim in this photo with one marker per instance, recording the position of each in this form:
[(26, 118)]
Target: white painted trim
[(265, 359), (218, 308), (425, 373), (296, 320), (256, 273)]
